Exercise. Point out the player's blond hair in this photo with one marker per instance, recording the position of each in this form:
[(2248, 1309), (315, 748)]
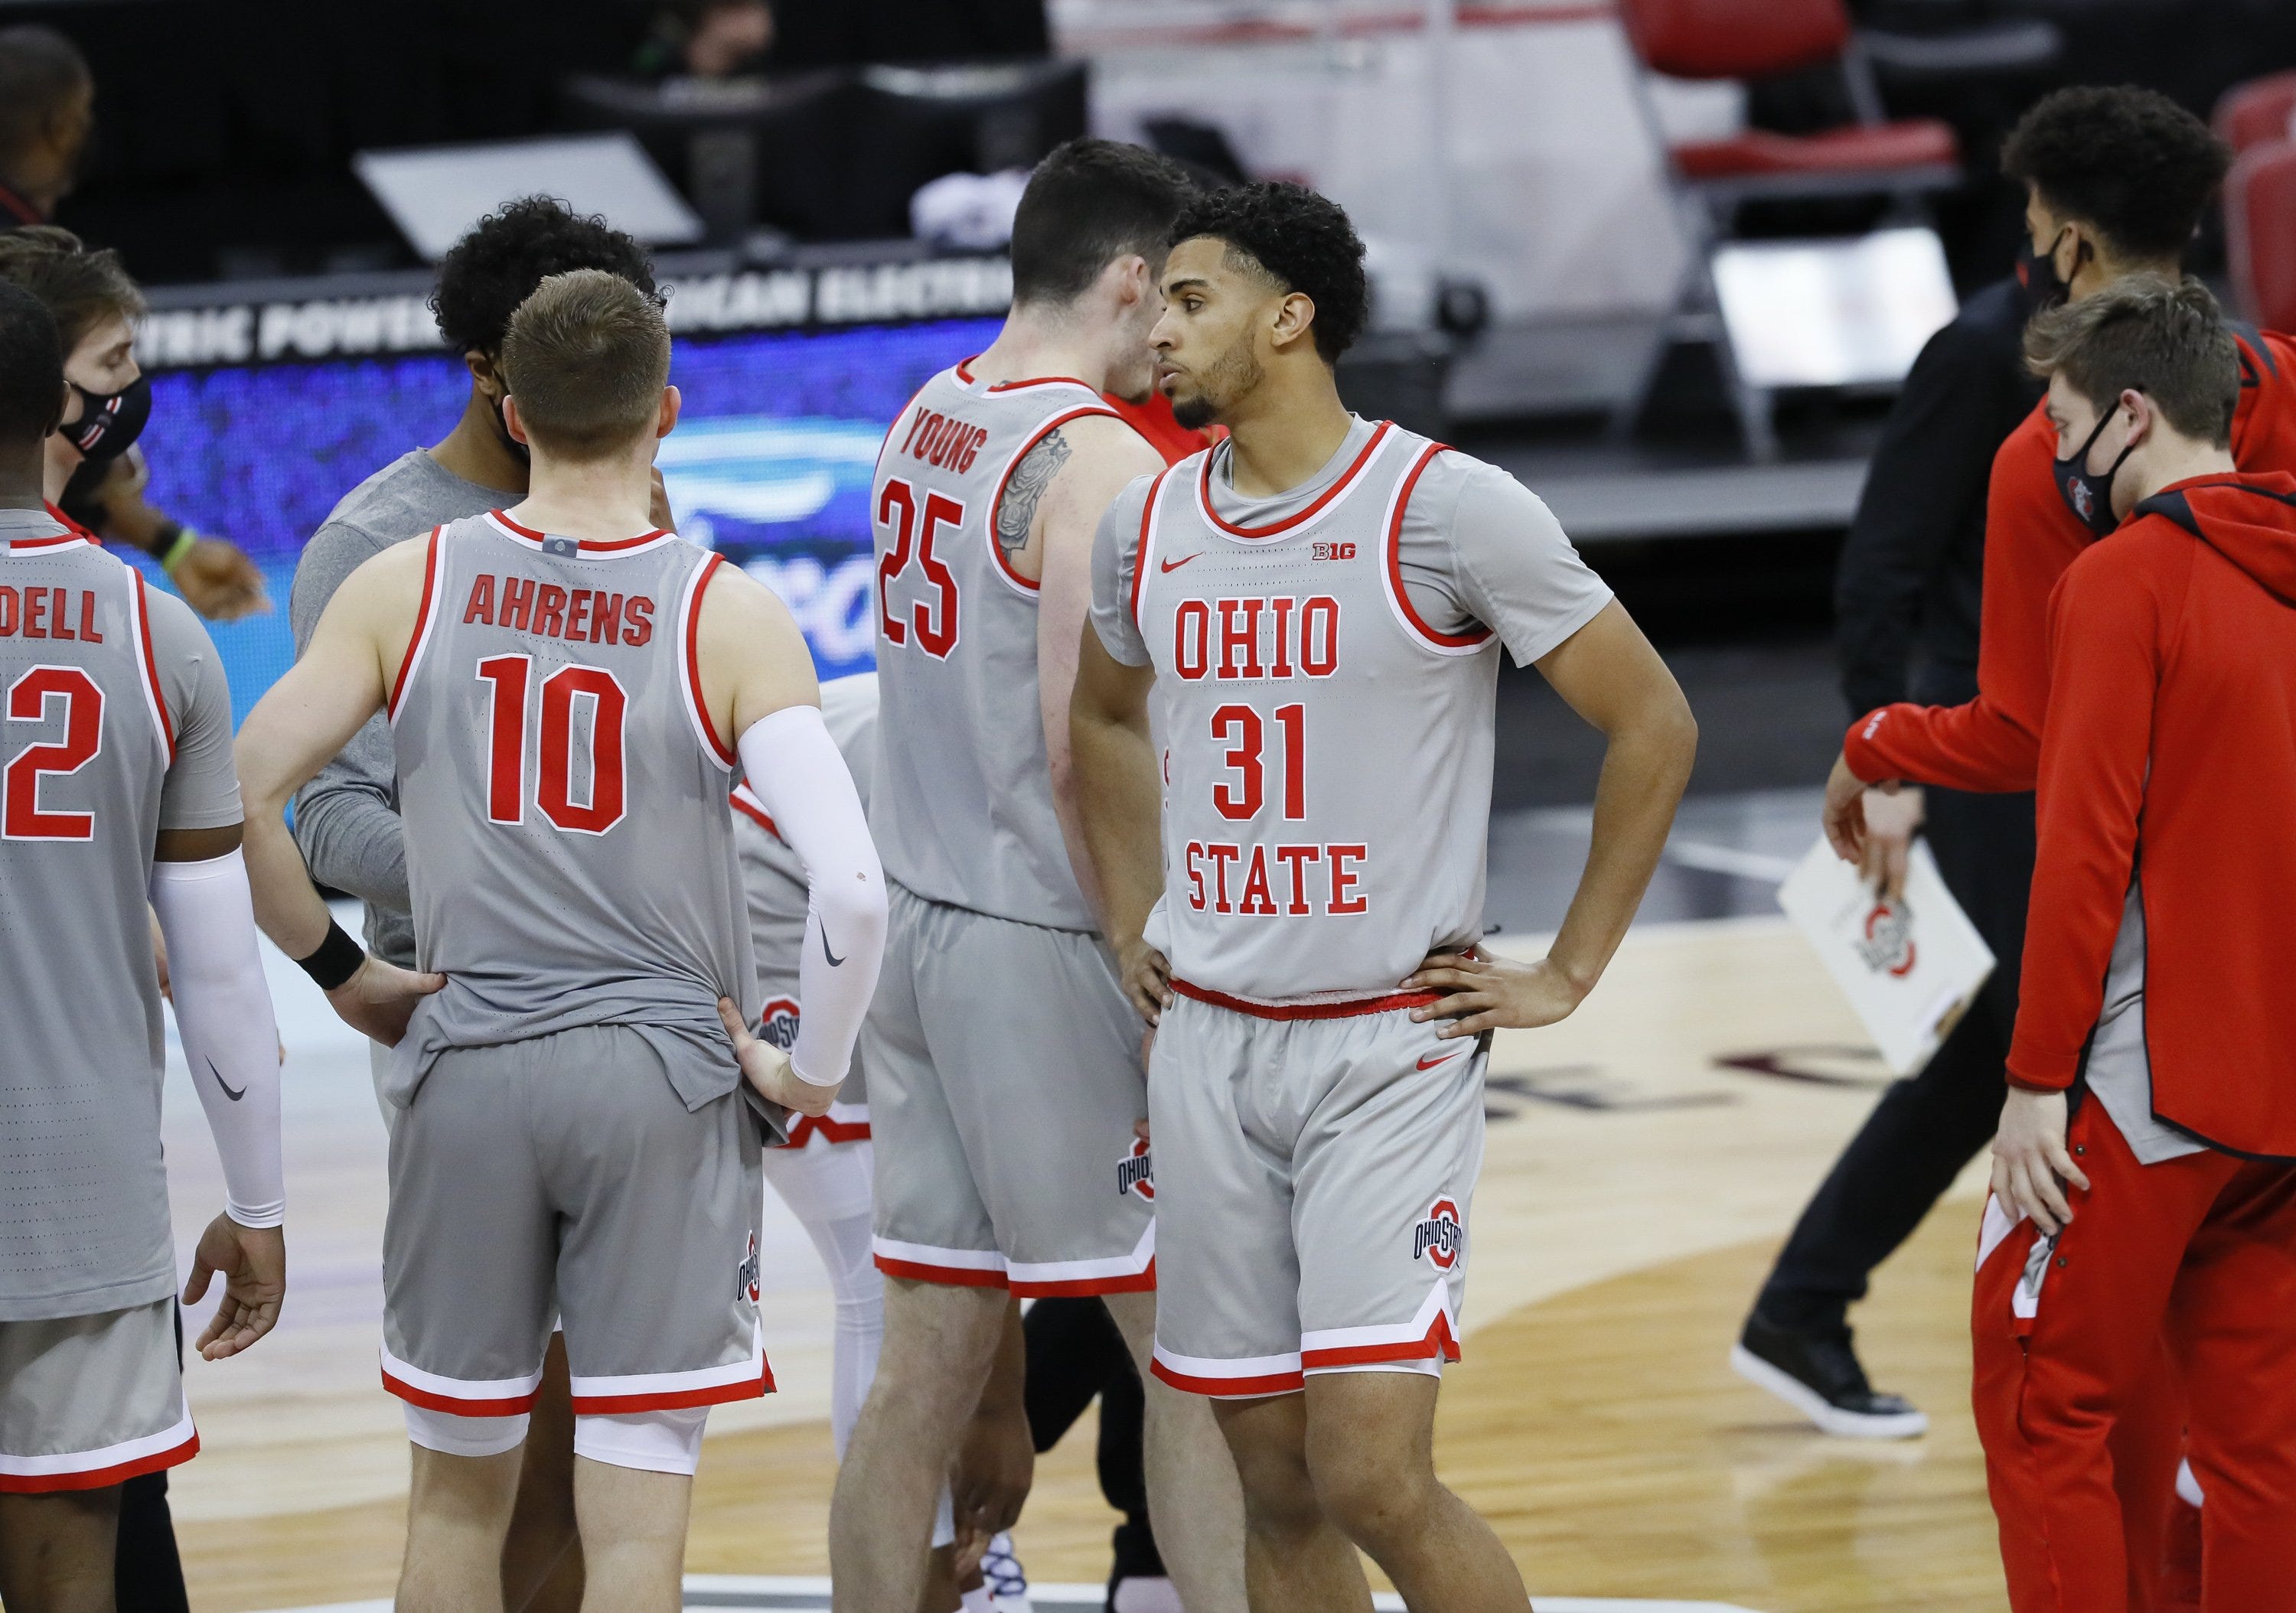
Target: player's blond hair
[(586, 357)]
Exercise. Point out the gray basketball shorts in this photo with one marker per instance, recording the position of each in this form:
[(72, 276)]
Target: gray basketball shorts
[(89, 1401), (1315, 1167), (1004, 1085), (563, 1177)]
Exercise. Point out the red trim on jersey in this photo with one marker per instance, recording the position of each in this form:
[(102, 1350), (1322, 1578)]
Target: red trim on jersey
[(152, 665), (586, 545), (1232, 1388), (948, 1277), (1346, 1009), (61, 540), (1043, 381), (69, 525), (1449, 641), (997, 549), (507, 1406), (1143, 1281), (809, 1127), (1438, 1342), (964, 372), (98, 1478), (693, 659), (422, 623), (1278, 528), (1140, 549), (677, 1400), (758, 816)]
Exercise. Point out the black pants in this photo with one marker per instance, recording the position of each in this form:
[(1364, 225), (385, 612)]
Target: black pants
[(1074, 1352), (147, 1576), (1927, 1126)]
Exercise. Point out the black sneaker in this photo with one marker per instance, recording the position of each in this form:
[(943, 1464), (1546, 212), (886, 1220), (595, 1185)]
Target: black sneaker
[(1817, 1374)]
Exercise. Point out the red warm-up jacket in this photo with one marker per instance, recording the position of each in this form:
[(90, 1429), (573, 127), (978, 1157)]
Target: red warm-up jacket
[(2168, 757), (1993, 743)]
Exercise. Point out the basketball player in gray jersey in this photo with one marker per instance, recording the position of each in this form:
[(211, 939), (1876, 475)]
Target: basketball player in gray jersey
[(572, 691), (347, 819), (117, 797), (1317, 607), (1005, 1082)]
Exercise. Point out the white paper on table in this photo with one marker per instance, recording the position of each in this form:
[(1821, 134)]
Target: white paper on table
[(1909, 967)]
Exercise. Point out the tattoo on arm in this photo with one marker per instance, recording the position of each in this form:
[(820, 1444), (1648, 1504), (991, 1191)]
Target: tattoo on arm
[(1017, 514)]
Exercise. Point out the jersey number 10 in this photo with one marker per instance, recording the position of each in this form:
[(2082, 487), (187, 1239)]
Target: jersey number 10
[(507, 784)]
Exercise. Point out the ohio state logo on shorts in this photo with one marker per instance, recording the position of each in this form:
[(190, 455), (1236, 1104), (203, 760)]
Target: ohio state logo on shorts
[(745, 1276), (778, 1024), (1134, 1174), (1440, 1236)]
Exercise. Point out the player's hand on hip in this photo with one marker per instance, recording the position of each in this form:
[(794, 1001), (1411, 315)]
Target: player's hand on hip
[(2031, 1167), (1843, 816), (378, 1001), (1146, 975), (1492, 993), (1891, 818), (252, 1262), (768, 1070)]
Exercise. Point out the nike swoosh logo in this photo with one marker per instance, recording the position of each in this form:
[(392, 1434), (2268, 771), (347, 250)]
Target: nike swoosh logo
[(1438, 1058), (835, 960), (219, 1080), (1174, 565)]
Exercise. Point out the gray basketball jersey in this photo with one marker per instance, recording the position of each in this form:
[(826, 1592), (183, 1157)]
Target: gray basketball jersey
[(114, 724), (963, 811), (773, 876), (1327, 749), (569, 849)]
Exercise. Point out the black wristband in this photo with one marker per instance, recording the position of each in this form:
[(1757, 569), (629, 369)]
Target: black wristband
[(337, 959)]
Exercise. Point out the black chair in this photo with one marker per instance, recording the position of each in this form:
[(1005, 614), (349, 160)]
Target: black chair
[(915, 124)]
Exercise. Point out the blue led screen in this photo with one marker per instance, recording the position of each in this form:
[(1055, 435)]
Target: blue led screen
[(770, 463)]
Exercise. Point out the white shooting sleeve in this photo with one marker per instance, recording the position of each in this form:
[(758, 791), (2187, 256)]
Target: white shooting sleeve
[(223, 1012), (797, 770)]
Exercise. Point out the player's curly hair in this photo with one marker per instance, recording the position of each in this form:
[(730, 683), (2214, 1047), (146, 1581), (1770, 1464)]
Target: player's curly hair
[(2130, 161), (1300, 240), (513, 249)]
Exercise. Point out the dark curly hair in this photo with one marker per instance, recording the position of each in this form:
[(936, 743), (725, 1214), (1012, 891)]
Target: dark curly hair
[(510, 251), (2130, 161), (1299, 240)]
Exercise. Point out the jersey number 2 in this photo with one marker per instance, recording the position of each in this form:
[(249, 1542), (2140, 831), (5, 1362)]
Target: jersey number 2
[(506, 745), (28, 700), (934, 619)]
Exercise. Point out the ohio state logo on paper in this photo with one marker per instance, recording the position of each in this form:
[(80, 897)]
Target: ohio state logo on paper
[(1134, 1174), (778, 1024), (1440, 1236), (1887, 947)]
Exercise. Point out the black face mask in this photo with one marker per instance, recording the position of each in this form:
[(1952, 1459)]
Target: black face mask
[(2038, 280), (2086, 492), (109, 423)]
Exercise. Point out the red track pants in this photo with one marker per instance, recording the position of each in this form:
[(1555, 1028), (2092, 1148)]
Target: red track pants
[(2076, 1399)]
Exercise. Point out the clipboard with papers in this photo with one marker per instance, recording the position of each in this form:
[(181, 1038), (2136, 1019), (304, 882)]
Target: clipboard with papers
[(1909, 967)]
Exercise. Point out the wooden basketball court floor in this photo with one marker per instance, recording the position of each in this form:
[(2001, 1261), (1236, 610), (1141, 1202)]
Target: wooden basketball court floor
[(1645, 1158)]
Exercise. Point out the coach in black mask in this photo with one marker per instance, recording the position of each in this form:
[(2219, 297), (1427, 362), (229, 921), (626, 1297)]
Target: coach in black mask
[(2113, 176)]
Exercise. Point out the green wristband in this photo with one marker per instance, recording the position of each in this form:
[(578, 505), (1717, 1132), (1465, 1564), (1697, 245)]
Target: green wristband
[(177, 546)]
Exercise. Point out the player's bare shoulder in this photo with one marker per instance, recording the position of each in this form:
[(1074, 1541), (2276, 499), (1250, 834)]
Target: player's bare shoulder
[(752, 658), (1102, 455)]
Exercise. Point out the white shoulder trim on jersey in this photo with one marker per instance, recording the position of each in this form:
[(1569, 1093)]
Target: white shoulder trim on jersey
[(1391, 569), (426, 624), (147, 665), (1151, 518), (689, 662)]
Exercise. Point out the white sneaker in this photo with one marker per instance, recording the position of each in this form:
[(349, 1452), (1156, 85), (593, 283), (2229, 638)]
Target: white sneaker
[(1001, 1573), (1146, 1596)]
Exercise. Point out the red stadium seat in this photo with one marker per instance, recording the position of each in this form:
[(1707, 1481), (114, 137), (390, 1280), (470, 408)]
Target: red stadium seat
[(2260, 233), (2252, 113), (1902, 158)]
